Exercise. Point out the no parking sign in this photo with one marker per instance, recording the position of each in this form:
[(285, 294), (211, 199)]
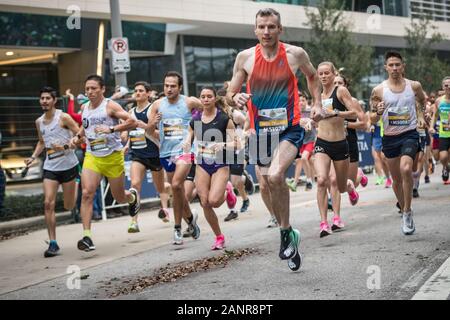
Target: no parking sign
[(120, 57)]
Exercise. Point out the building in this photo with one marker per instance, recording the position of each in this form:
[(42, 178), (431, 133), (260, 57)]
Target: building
[(44, 42)]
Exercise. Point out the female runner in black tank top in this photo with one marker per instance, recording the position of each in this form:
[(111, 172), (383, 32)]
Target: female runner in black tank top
[(212, 171), (331, 145)]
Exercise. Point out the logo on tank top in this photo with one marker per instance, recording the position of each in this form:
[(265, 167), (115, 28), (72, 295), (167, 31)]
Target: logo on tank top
[(85, 123), (281, 64)]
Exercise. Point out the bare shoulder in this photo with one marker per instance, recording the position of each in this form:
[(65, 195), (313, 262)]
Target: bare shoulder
[(378, 90), (296, 51), (113, 104), (416, 85)]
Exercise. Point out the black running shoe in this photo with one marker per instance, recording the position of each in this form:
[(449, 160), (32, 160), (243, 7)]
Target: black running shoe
[(86, 244), (133, 208), (445, 174), (290, 240), (231, 216), (249, 184), (295, 262), (52, 251), (309, 186), (245, 205), (330, 204), (415, 193), (398, 206), (427, 179)]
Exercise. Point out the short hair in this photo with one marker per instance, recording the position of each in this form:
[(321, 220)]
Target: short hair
[(392, 54), (269, 12), (97, 78), (328, 63), (48, 90), (175, 75), (145, 84)]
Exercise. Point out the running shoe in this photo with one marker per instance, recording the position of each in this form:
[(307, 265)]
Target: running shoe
[(408, 226), (52, 251), (231, 216), (194, 226), (445, 174), (337, 223), (364, 180), (399, 208), (86, 244), (427, 179), (133, 227), (133, 208), (290, 239), (380, 181), (324, 229), (177, 237), (415, 193), (330, 204), (295, 262), (309, 186), (163, 214), (291, 184), (353, 196), (388, 183), (249, 183), (219, 243), (272, 222), (245, 205), (231, 197)]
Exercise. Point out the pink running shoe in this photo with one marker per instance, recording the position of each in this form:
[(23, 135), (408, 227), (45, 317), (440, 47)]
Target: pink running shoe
[(231, 197), (219, 243), (324, 229), (337, 223), (388, 183), (364, 180), (353, 196)]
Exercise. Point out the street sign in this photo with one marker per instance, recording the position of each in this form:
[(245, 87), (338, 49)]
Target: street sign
[(120, 57)]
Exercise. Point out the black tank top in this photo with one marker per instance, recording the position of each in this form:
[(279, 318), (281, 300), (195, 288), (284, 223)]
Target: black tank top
[(337, 104), (140, 145), (209, 133)]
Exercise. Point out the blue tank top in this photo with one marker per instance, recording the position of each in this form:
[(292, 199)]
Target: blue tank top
[(140, 145), (173, 127)]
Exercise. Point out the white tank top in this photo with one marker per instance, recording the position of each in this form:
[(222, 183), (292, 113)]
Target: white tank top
[(100, 145), (400, 113), (53, 134)]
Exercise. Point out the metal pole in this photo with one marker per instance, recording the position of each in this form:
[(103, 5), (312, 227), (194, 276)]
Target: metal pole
[(183, 67), (116, 32)]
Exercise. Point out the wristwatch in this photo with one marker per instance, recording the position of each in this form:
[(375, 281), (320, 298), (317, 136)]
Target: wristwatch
[(336, 112), (111, 129), (66, 147)]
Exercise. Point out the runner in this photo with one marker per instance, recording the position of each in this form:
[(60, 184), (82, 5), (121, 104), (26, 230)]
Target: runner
[(307, 149), (55, 130), (272, 97), (332, 147), (214, 133), (442, 111), (394, 101), (172, 115), (104, 155), (144, 152)]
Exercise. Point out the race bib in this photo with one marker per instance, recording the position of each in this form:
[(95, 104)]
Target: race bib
[(445, 125), (205, 151), (137, 139), (98, 144), (399, 116), (272, 120), (173, 129), (53, 154)]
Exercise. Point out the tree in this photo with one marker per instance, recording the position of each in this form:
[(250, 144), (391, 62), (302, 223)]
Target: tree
[(422, 62), (332, 40)]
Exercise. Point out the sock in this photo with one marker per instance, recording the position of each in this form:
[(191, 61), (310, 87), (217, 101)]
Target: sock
[(189, 220), (178, 227), (87, 233), (286, 230), (134, 198), (52, 242)]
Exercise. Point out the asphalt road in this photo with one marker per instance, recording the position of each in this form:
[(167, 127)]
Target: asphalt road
[(369, 259)]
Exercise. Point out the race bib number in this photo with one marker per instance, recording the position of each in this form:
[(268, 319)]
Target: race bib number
[(137, 139), (399, 116), (272, 120), (445, 125), (98, 144), (173, 129), (205, 151), (53, 154), (327, 104)]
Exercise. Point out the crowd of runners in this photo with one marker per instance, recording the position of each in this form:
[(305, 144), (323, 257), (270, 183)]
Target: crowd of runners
[(198, 147)]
